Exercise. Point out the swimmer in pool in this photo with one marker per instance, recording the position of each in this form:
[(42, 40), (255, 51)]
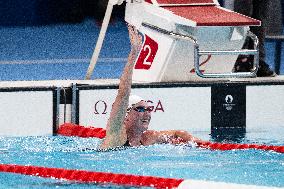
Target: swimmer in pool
[(130, 115)]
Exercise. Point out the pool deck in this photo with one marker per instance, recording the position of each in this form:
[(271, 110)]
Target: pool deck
[(68, 83)]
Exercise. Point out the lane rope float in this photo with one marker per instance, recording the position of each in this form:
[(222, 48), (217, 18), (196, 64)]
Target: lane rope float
[(91, 176), (69, 129)]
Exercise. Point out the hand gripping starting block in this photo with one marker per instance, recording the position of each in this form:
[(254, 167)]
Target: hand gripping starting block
[(188, 39)]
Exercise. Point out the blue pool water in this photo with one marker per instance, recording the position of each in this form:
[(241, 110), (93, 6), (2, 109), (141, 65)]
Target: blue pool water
[(240, 166)]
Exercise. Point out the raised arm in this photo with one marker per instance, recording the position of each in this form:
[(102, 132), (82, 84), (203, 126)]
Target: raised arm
[(115, 131)]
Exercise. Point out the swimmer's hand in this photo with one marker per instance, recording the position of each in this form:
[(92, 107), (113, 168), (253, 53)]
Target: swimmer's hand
[(177, 140), (135, 38)]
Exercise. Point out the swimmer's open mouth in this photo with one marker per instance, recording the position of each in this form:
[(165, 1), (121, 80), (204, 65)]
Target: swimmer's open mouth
[(145, 120)]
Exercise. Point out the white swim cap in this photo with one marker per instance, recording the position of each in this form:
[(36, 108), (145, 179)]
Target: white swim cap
[(134, 99)]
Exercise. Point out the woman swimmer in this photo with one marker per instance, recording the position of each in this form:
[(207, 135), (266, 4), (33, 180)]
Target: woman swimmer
[(130, 115)]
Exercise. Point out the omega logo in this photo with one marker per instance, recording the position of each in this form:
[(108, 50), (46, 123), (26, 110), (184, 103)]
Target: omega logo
[(101, 107), (158, 107)]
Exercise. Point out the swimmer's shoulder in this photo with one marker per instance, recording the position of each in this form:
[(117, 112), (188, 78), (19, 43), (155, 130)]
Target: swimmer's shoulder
[(150, 133), (150, 137)]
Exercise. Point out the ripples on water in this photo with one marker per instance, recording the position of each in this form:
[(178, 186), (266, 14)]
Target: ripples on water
[(237, 166)]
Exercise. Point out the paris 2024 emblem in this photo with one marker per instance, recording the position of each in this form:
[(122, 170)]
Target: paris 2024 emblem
[(229, 102)]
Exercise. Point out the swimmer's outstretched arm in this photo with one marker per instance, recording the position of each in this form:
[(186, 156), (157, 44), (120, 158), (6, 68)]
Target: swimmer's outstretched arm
[(180, 136), (170, 136), (115, 131)]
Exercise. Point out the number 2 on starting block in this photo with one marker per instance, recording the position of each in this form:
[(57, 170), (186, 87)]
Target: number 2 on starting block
[(147, 54)]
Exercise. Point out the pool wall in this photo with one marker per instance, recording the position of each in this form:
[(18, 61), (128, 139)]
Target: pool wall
[(28, 111), (213, 106)]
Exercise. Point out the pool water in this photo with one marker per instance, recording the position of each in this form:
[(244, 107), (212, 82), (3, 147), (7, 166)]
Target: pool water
[(238, 166)]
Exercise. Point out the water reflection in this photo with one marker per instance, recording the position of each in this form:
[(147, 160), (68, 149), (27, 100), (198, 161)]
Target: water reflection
[(228, 134)]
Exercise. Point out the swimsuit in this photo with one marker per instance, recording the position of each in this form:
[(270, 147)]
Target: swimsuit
[(126, 144), (123, 147)]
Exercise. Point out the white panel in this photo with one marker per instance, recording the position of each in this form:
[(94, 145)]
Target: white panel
[(202, 184), (187, 108), (26, 113), (67, 113), (95, 106), (155, 72), (265, 106)]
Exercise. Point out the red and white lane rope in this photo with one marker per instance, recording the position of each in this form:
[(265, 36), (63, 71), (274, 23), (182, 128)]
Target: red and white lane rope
[(84, 176), (92, 177), (227, 146), (69, 129)]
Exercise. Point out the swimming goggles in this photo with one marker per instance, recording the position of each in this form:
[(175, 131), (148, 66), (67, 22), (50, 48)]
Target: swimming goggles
[(142, 109)]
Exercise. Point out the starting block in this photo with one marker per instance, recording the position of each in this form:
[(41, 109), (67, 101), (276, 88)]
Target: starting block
[(184, 39)]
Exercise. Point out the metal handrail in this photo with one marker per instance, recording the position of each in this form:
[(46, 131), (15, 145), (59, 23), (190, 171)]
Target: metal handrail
[(198, 53), (171, 33), (233, 52)]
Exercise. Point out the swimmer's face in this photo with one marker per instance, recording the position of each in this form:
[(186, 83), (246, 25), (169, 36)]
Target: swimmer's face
[(140, 116)]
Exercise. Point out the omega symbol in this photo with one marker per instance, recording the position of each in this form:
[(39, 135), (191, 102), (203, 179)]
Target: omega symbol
[(103, 107)]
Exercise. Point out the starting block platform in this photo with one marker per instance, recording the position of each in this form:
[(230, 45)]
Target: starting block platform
[(185, 40)]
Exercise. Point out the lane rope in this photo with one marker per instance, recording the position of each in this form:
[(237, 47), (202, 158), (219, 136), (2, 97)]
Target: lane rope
[(228, 146), (92, 177), (69, 129)]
